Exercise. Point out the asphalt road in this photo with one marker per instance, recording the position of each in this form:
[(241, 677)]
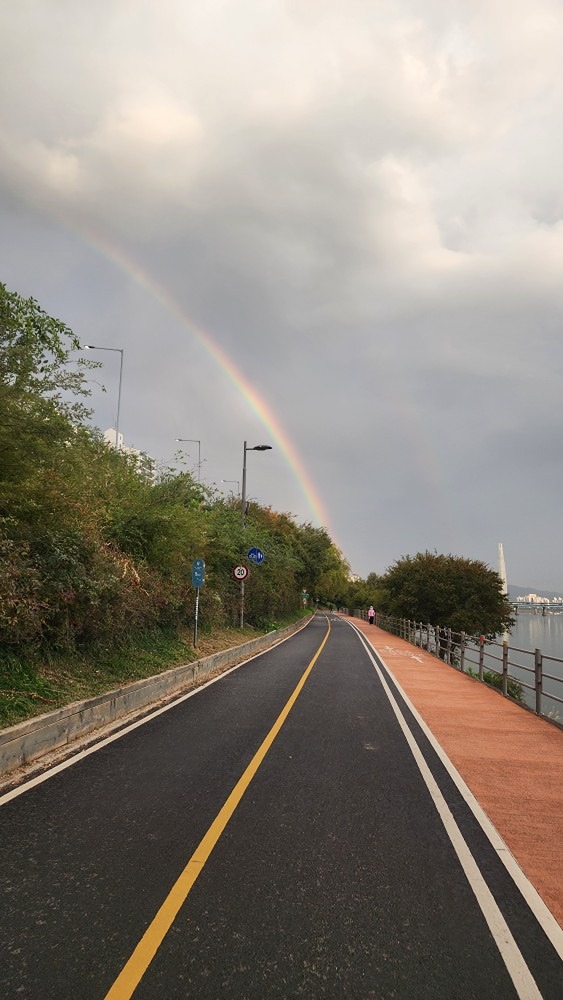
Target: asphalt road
[(173, 863)]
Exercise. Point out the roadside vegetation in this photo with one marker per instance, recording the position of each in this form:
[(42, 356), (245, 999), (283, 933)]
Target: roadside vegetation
[(464, 595), (494, 679)]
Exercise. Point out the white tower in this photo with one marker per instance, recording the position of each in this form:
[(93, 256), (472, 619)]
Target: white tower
[(502, 567)]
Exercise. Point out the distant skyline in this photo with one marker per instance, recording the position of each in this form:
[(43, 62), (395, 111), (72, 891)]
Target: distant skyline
[(514, 592), (332, 228)]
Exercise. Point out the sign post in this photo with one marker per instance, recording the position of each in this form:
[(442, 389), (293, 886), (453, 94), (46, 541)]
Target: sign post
[(198, 579), (240, 573)]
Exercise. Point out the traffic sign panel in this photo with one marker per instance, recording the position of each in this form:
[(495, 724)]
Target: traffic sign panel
[(256, 555), (240, 572), (198, 572)]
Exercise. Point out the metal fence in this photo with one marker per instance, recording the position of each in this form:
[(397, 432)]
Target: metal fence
[(527, 676)]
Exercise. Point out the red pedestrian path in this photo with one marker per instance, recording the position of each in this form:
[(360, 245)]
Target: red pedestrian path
[(511, 759)]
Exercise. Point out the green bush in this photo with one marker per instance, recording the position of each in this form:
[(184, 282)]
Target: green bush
[(514, 688)]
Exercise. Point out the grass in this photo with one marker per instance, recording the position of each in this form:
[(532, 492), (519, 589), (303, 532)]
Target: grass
[(40, 684)]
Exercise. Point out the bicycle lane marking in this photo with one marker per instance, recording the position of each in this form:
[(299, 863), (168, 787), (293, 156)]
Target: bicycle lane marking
[(392, 651), (524, 983), (142, 956)]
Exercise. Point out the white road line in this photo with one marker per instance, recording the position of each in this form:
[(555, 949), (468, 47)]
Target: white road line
[(524, 983), (33, 782)]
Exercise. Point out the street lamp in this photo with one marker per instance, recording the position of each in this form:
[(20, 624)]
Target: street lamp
[(237, 481), (257, 447), (118, 350), (195, 441)]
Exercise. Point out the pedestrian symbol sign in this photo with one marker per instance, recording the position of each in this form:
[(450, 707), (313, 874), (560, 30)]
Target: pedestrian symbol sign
[(256, 555)]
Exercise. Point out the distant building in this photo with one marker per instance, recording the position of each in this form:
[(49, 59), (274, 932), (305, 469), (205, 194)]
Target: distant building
[(536, 599), (109, 438), (145, 464)]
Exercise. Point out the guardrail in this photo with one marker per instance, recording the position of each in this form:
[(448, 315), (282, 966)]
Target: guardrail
[(527, 679)]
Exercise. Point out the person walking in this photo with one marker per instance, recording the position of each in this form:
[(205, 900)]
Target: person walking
[(371, 615)]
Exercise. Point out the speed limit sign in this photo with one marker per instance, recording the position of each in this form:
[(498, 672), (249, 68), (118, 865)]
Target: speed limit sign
[(240, 572)]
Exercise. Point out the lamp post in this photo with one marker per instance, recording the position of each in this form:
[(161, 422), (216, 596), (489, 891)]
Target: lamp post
[(117, 350), (257, 447), (195, 441), (237, 481)]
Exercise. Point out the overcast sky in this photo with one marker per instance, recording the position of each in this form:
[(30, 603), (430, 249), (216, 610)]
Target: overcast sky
[(332, 226)]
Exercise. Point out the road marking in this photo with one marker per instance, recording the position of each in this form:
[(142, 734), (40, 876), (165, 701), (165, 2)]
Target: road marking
[(524, 983), (392, 651), (134, 970), (26, 786)]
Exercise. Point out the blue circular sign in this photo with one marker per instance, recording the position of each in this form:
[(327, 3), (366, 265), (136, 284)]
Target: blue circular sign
[(256, 555)]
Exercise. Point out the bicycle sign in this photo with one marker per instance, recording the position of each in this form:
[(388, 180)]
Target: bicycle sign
[(256, 555), (240, 572)]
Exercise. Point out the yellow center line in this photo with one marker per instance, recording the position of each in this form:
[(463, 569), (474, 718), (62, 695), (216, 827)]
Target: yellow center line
[(132, 973)]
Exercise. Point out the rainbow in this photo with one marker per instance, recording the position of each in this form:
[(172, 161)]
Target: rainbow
[(262, 410)]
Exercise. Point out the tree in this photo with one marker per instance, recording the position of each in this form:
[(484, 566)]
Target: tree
[(322, 570), (362, 593), (36, 382), (462, 594)]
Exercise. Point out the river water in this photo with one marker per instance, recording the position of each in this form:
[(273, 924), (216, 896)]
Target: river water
[(539, 631), (534, 631)]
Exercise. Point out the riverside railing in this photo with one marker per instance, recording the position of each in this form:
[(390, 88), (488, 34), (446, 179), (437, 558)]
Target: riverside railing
[(529, 677)]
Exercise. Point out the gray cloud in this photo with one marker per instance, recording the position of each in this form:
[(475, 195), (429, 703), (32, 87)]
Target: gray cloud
[(361, 207)]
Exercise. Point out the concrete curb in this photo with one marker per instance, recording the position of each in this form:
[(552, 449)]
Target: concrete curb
[(31, 739)]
